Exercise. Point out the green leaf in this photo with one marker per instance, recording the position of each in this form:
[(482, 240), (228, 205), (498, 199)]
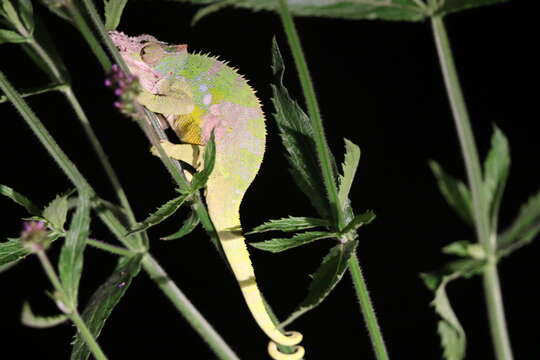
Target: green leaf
[(189, 225), (524, 229), (12, 251), (20, 199), (210, 9), (28, 318), (113, 13), (496, 169), (279, 245), (70, 264), (297, 136), (359, 220), (200, 178), (326, 277), (288, 224), (103, 302), (26, 13), (56, 212), (465, 249), (162, 213), (452, 335), (349, 166), (9, 36), (454, 191), (446, 7), (57, 8), (405, 10)]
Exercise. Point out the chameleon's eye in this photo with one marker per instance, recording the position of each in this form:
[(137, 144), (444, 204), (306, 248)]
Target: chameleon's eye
[(152, 53)]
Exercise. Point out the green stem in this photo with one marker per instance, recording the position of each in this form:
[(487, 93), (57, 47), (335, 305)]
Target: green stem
[(72, 313), (323, 151), (110, 248), (37, 91), (107, 216), (492, 288), (186, 308), (367, 309)]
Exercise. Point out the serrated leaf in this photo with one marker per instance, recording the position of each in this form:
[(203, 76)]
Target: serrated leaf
[(26, 13), (11, 251), (189, 225), (496, 167), (162, 213), (405, 10), (450, 6), (452, 335), (103, 302), (200, 178), (70, 264), (9, 36), (348, 168), (56, 212), (524, 229), (113, 13), (279, 245), (288, 224), (296, 134), (29, 319), (20, 199), (454, 191), (326, 277), (359, 220)]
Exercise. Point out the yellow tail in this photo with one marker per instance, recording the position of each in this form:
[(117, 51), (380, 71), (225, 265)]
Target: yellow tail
[(235, 249)]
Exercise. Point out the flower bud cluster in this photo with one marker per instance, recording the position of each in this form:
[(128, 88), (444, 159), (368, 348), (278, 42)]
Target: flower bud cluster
[(35, 236), (126, 88)]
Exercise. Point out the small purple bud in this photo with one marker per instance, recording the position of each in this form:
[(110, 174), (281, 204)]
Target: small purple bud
[(118, 92), (108, 82), (115, 67), (34, 235), (118, 104), (121, 83), (121, 284)]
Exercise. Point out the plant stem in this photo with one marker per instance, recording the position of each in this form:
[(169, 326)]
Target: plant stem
[(173, 293), (325, 159), (367, 309), (492, 288), (110, 248), (323, 152), (72, 313)]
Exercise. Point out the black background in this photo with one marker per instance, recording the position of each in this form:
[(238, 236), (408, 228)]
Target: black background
[(379, 85)]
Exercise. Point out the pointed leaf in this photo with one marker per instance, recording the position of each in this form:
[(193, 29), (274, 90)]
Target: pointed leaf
[(405, 10), (496, 169), (279, 245), (349, 166), (26, 13), (325, 278), (103, 302), (524, 229), (113, 13), (28, 318), (9, 36), (297, 136), (189, 225), (70, 264), (20, 199), (359, 220), (200, 178), (12, 251), (56, 212), (454, 191), (288, 224), (452, 335), (162, 213), (465, 249), (450, 6)]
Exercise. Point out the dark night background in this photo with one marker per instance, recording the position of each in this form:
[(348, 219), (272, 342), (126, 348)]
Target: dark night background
[(379, 85)]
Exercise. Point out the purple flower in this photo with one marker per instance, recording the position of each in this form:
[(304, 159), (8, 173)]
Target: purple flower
[(35, 235)]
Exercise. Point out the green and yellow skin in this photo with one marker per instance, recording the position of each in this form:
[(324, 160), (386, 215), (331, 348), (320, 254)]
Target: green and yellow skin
[(197, 94)]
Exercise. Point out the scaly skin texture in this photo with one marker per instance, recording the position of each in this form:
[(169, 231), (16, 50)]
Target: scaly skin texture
[(197, 94)]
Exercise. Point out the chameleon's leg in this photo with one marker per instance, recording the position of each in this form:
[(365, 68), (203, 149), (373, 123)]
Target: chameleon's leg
[(170, 97)]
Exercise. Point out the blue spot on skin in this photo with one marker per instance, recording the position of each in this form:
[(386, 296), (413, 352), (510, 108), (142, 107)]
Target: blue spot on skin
[(203, 88)]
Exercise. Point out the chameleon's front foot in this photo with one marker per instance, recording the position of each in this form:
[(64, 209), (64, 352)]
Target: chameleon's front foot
[(294, 338)]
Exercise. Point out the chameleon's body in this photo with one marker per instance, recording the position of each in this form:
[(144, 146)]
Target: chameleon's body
[(197, 94)]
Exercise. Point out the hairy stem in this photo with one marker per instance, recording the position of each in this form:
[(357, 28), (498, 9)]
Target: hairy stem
[(492, 288), (71, 171), (72, 313)]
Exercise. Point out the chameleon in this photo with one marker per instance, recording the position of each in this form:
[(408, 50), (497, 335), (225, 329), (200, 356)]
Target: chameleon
[(197, 94)]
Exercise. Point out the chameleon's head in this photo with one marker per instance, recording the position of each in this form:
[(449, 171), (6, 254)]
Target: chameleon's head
[(145, 56)]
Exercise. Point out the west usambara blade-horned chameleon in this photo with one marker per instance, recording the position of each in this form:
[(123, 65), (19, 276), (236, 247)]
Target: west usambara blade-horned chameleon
[(196, 94)]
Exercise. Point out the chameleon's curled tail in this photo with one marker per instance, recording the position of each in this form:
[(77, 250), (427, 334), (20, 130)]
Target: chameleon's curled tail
[(236, 252)]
